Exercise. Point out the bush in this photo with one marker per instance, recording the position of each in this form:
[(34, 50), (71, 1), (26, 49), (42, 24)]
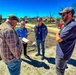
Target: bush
[(2, 22), (32, 22), (49, 22), (0, 58)]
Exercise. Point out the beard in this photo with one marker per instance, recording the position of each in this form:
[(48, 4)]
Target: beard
[(65, 19)]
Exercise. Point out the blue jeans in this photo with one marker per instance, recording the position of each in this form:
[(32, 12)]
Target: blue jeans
[(60, 65), (14, 66), (38, 46)]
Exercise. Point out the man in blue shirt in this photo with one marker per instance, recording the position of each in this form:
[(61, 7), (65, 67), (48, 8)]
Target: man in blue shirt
[(40, 34), (23, 33), (65, 40)]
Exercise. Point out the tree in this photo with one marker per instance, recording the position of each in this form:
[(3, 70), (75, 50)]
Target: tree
[(74, 6), (0, 18), (51, 16)]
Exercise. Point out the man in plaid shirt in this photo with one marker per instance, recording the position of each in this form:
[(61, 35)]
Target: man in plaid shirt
[(10, 46)]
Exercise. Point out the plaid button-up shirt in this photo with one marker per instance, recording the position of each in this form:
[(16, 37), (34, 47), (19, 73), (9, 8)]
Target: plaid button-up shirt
[(10, 46)]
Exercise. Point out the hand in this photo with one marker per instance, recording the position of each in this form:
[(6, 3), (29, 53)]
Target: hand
[(23, 42), (58, 33), (18, 57), (20, 38)]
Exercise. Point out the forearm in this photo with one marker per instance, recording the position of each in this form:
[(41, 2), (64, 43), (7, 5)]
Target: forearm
[(26, 35), (58, 39)]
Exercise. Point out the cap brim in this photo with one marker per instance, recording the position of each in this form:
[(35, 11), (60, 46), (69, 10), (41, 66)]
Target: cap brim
[(60, 13), (17, 20), (14, 19)]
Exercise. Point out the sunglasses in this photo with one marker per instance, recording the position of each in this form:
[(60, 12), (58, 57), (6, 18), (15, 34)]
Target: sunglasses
[(38, 20), (64, 14)]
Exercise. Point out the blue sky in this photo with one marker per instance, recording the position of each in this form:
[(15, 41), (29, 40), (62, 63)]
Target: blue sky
[(30, 8)]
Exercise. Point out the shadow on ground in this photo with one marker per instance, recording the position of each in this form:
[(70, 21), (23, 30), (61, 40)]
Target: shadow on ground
[(36, 63), (52, 61), (72, 62)]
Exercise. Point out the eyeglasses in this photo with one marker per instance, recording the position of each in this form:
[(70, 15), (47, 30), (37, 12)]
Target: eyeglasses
[(22, 24)]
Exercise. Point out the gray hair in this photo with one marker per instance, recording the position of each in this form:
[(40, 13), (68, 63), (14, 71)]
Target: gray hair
[(22, 22)]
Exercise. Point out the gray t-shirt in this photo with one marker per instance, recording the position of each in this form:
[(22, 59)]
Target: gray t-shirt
[(65, 48)]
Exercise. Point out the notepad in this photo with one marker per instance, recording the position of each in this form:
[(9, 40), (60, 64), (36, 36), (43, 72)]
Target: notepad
[(25, 40)]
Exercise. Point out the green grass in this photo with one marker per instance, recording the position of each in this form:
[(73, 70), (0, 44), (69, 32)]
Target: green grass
[(32, 22), (47, 22), (35, 22), (2, 22)]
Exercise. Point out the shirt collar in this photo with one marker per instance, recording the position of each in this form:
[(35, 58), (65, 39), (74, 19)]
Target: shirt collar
[(68, 22), (9, 24), (21, 28)]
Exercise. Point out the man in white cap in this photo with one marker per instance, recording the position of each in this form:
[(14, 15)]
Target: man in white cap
[(65, 40)]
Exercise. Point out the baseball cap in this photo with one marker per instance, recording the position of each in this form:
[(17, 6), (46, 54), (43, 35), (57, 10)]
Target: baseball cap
[(67, 10), (13, 17)]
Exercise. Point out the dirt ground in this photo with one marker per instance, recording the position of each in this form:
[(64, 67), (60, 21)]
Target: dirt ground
[(50, 39), (34, 65)]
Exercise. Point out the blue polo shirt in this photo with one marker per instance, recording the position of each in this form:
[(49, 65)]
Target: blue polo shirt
[(22, 32), (65, 48)]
